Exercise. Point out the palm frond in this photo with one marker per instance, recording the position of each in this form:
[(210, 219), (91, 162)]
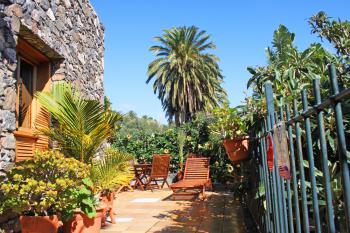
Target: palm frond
[(81, 125), (112, 170)]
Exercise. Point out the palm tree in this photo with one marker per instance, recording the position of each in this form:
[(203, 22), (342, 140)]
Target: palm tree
[(80, 125), (187, 79)]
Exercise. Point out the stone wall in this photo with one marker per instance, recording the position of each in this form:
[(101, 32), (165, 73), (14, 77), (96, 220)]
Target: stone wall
[(7, 93), (68, 32)]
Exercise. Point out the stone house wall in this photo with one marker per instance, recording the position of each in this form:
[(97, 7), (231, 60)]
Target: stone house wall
[(69, 33)]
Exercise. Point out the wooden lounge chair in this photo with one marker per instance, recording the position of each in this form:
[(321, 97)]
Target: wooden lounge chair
[(209, 184), (196, 178), (159, 171)]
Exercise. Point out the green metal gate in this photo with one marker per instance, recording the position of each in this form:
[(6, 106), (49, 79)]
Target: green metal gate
[(295, 205)]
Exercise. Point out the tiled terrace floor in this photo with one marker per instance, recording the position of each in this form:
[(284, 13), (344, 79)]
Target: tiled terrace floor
[(146, 211)]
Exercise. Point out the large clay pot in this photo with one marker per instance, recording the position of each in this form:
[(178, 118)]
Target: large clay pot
[(40, 224), (108, 199), (180, 175), (237, 149), (80, 223)]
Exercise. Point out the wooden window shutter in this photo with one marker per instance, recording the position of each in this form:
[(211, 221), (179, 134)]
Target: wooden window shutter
[(42, 121), (25, 146), (42, 117)]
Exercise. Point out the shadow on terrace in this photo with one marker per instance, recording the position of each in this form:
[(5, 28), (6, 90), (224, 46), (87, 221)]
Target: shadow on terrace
[(219, 213)]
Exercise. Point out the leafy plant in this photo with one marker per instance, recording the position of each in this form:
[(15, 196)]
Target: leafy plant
[(336, 32), (228, 123), (83, 199), (111, 171), (80, 125), (288, 69), (41, 186)]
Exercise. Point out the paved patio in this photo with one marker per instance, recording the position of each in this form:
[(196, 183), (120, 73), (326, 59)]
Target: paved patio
[(146, 211)]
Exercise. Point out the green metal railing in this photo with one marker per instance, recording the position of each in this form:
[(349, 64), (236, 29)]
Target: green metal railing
[(294, 205)]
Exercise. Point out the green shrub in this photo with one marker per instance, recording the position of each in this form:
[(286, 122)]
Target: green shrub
[(39, 186), (198, 140)]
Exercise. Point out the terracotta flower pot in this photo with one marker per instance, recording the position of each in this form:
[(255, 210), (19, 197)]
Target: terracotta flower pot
[(80, 223), (40, 224), (108, 199), (180, 175), (237, 149)]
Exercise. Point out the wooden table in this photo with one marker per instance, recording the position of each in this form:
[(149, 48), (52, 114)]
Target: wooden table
[(141, 172)]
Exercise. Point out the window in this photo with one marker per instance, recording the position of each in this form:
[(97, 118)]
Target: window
[(25, 92)]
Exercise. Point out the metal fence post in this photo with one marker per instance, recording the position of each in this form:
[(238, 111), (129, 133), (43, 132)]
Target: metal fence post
[(342, 144), (263, 181), (301, 170), (289, 222), (324, 158), (283, 186), (278, 210), (266, 182), (310, 155), (294, 173)]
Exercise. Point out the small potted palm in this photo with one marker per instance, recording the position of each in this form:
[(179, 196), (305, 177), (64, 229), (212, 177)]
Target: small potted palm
[(229, 124), (110, 173), (38, 190)]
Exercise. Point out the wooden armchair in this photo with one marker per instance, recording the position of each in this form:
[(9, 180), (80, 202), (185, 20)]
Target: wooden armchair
[(159, 171), (196, 178)]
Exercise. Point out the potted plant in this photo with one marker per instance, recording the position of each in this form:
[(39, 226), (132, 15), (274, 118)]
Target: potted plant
[(38, 190), (82, 138), (110, 173), (229, 124), (95, 196), (83, 215)]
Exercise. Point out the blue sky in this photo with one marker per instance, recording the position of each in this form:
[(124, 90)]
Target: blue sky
[(240, 29)]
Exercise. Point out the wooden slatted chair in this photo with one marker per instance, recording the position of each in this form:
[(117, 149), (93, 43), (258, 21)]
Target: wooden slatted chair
[(159, 171), (196, 178), (209, 184)]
